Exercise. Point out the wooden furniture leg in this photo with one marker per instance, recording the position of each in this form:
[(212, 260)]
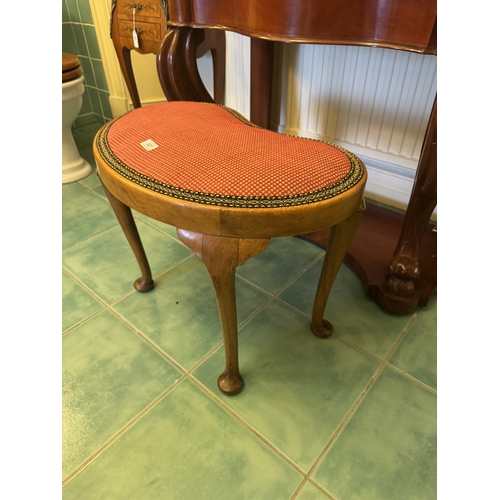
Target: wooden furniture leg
[(404, 268), (221, 256), (125, 61), (125, 218), (338, 242), (215, 42), (261, 71)]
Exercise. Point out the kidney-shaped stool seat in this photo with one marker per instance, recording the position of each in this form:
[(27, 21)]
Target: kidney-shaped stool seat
[(228, 186)]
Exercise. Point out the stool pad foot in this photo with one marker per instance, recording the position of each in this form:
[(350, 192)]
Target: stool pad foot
[(323, 329), (230, 383)]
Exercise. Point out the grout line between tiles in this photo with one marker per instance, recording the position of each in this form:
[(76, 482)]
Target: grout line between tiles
[(304, 482), (401, 337), (288, 283), (221, 403), (92, 294), (123, 430), (80, 243), (337, 335), (299, 274), (83, 285), (294, 309), (148, 341), (83, 321), (221, 342), (327, 493), (254, 286), (132, 290), (98, 194), (252, 316), (344, 421), (205, 357), (359, 400), (358, 347), (412, 378), (167, 356)]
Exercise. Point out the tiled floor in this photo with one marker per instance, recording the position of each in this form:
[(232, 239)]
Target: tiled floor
[(348, 417)]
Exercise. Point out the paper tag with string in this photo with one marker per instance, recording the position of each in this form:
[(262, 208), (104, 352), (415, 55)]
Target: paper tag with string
[(135, 37)]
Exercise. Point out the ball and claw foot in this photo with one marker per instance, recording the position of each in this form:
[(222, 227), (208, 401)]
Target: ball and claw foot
[(404, 273), (143, 285), (323, 330), (230, 383)]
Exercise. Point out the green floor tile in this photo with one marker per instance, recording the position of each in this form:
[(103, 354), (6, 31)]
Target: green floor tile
[(166, 228), (387, 451), (281, 261), (100, 191), (417, 353), (85, 216), (180, 315), (109, 376), (107, 265), (298, 387), (91, 181), (77, 303), (353, 314), (186, 447), (71, 189)]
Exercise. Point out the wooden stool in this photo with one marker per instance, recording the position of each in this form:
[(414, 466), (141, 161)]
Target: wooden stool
[(228, 186)]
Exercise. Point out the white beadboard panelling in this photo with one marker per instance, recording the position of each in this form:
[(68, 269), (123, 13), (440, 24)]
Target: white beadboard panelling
[(374, 102), (237, 94), (376, 99)]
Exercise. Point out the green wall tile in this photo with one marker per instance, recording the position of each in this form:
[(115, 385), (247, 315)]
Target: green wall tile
[(88, 71), (65, 12), (106, 108), (92, 43), (74, 14), (68, 39), (99, 74), (94, 99), (86, 104), (80, 40), (85, 12)]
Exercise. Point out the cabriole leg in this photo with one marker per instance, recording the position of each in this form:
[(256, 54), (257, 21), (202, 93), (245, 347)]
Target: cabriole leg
[(221, 256), (126, 220), (338, 242)]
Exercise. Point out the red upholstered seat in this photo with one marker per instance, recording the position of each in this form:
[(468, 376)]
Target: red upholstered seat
[(210, 154)]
